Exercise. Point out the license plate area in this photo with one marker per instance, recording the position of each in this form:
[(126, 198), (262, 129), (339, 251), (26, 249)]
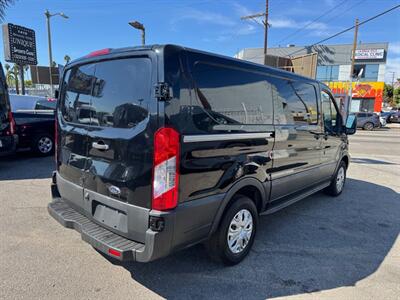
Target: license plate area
[(111, 217)]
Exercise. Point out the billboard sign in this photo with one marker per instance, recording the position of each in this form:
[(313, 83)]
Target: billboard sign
[(19, 44), (369, 54), (41, 75)]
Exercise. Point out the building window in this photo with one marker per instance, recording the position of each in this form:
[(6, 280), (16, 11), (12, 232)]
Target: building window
[(370, 72), (327, 73)]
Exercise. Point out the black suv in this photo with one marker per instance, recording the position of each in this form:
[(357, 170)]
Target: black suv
[(162, 147), (8, 136)]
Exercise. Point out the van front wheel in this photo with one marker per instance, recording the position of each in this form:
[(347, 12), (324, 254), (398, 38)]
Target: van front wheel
[(338, 181), (233, 240)]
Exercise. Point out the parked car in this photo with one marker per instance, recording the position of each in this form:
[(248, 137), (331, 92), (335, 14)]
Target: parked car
[(367, 121), (29, 102), (394, 117), (8, 137), (183, 146), (35, 129)]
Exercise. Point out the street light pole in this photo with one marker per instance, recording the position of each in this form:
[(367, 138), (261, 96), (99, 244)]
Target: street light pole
[(139, 26), (48, 16)]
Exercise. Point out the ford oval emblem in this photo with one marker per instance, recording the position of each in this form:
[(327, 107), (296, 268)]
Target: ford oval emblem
[(114, 190)]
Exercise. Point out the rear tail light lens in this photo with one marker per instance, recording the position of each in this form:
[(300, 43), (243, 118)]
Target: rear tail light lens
[(55, 137), (99, 52), (12, 123), (165, 169)]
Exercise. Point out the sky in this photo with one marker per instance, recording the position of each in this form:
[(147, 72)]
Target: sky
[(211, 25)]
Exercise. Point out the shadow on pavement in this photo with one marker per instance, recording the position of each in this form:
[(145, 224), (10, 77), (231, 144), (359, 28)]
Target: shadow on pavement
[(319, 243), (371, 161), (25, 165)]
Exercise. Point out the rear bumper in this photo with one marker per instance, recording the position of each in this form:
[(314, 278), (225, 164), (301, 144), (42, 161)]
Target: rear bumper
[(187, 224), (106, 241)]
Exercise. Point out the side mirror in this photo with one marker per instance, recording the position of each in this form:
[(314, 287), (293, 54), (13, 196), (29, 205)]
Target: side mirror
[(351, 124), (56, 93)]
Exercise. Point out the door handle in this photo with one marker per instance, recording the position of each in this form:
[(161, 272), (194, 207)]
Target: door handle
[(100, 145)]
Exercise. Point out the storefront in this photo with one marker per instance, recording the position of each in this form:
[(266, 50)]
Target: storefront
[(366, 96)]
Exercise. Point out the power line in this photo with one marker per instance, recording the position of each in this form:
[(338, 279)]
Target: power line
[(347, 29), (311, 22)]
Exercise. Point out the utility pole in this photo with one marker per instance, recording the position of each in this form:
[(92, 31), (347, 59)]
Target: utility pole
[(353, 55), (265, 23), (393, 87), (265, 32)]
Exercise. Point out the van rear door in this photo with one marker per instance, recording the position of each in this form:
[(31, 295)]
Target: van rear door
[(75, 97), (123, 119)]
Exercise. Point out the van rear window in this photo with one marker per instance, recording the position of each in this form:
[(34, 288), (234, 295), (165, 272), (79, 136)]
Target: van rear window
[(113, 93)]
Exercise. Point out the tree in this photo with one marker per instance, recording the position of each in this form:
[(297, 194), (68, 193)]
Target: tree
[(3, 5), (12, 74), (391, 94), (67, 59)]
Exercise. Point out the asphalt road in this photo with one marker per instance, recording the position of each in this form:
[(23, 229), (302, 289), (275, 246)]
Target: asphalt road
[(345, 248)]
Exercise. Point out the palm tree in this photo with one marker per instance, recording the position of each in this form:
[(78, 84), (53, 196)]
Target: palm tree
[(67, 59), (3, 5), (12, 75)]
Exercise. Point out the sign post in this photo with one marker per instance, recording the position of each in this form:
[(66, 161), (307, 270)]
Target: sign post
[(19, 47)]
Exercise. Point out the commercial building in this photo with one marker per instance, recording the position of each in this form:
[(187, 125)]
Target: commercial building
[(333, 67)]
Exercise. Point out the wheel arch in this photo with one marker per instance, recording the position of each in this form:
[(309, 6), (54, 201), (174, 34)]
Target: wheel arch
[(249, 187)]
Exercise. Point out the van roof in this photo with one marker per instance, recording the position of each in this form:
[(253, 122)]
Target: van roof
[(172, 47)]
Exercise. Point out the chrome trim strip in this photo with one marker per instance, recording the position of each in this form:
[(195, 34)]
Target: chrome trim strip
[(226, 137)]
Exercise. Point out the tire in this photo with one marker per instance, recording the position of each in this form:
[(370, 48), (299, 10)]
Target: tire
[(368, 126), (338, 181), (218, 246), (43, 145)]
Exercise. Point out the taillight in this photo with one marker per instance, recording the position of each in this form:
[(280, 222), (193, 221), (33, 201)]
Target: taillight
[(12, 123), (165, 169), (99, 52)]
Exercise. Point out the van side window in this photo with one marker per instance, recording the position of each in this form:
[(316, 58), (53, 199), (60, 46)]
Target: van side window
[(329, 111), (76, 94), (295, 102), (231, 96), (121, 92)]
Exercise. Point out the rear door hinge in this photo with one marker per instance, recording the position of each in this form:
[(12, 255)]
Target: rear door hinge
[(163, 91)]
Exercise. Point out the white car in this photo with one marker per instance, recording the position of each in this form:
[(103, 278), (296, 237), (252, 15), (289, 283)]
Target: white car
[(382, 120)]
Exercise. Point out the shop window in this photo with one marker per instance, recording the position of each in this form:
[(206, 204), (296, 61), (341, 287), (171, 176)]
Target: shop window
[(327, 73), (369, 72)]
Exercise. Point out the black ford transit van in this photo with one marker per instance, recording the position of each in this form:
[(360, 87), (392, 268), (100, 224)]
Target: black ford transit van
[(8, 136), (163, 147)]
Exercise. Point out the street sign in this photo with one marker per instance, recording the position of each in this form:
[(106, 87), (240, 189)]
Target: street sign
[(369, 54), (41, 75), (19, 44)]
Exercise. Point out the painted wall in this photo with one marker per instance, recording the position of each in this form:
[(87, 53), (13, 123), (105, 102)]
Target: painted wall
[(360, 90)]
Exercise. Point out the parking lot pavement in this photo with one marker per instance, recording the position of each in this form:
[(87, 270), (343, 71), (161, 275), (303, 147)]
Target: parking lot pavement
[(344, 248)]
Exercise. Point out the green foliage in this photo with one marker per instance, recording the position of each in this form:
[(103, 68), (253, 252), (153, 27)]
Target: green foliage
[(4, 4), (388, 92)]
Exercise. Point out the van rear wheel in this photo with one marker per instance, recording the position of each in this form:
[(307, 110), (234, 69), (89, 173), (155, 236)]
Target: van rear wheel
[(235, 236)]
